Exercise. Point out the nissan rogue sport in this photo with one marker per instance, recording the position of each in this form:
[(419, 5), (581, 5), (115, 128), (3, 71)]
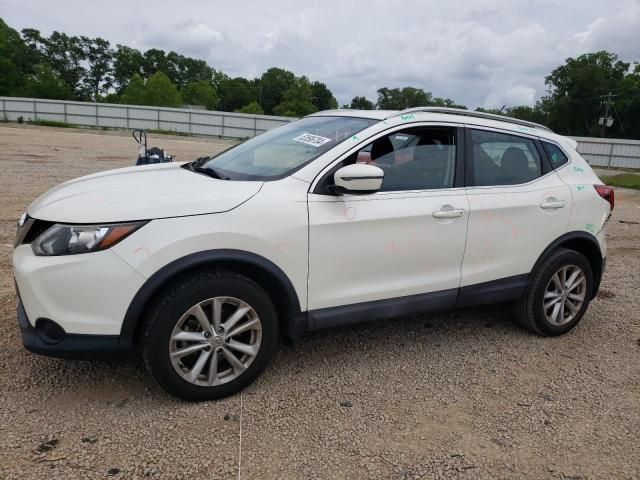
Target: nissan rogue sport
[(338, 218)]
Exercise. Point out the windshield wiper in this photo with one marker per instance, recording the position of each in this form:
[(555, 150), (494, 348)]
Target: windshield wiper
[(212, 172)]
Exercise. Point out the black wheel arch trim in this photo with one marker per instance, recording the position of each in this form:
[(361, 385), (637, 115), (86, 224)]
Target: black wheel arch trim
[(580, 236), (208, 257)]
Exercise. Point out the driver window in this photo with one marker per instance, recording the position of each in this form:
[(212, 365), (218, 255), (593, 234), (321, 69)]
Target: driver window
[(413, 159)]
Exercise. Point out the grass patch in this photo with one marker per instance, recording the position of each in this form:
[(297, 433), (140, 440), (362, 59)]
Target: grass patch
[(625, 180), (51, 123)]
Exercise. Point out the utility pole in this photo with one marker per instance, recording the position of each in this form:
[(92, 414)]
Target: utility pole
[(606, 120)]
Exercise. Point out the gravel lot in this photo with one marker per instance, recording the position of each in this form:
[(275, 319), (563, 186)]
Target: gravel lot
[(464, 394)]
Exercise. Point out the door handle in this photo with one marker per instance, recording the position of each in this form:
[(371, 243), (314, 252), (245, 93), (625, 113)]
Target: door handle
[(448, 213), (552, 204)]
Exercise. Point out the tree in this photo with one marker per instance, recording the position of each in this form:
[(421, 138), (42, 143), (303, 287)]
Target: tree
[(66, 56), (361, 103), (127, 62), (17, 60), (399, 99), (161, 92), (253, 108), (322, 97), (135, 93), (235, 93), (45, 83), (627, 105), (532, 114), (576, 89), (272, 87), (99, 58), (296, 100), (200, 93)]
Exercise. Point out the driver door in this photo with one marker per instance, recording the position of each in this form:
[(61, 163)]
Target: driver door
[(401, 248)]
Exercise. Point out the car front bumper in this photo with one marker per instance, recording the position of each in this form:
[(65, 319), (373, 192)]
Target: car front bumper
[(70, 346), (81, 299)]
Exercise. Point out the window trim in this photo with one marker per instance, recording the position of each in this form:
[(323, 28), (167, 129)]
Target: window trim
[(545, 166), (317, 185)]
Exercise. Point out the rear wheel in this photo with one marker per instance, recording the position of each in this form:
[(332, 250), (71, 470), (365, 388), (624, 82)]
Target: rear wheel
[(557, 295), (209, 335)]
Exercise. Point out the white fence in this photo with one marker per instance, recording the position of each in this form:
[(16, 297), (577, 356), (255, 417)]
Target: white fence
[(609, 152), (195, 122), (600, 152)]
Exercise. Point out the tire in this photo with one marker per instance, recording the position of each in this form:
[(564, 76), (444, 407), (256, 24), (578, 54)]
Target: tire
[(175, 322), (559, 317)]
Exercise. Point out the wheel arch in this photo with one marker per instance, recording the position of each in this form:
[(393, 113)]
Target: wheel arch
[(584, 243), (264, 272)]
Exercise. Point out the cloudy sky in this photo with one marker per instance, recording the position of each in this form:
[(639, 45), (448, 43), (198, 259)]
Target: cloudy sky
[(480, 53)]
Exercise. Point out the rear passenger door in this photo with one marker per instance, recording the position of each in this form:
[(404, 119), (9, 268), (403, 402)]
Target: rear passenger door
[(518, 205)]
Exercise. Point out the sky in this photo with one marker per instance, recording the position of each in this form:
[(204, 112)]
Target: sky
[(479, 53)]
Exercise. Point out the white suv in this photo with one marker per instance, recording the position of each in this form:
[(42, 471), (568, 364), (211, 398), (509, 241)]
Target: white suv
[(338, 218)]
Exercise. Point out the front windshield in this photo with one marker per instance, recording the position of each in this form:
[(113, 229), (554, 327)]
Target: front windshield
[(279, 152)]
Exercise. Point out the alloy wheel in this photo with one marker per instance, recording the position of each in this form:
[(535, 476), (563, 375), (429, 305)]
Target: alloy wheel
[(215, 341), (565, 294)]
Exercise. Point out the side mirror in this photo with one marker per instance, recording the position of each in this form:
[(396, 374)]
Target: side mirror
[(358, 178)]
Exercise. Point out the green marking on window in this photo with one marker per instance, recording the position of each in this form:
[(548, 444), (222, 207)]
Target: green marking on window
[(407, 117)]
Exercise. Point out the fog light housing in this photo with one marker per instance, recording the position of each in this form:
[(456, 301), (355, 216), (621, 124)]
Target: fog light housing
[(49, 331)]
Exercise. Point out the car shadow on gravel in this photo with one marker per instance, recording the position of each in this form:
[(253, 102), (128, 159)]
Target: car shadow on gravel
[(111, 382)]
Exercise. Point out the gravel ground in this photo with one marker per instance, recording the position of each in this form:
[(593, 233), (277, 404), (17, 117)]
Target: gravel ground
[(463, 394)]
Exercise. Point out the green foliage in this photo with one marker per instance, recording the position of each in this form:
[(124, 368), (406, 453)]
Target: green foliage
[(236, 93), (625, 180), (135, 92), (160, 92), (98, 56), (399, 99), (361, 103), (273, 85), (200, 93), (127, 62), (253, 108), (45, 83), (574, 100), (296, 101), (322, 98), (50, 123), (17, 60)]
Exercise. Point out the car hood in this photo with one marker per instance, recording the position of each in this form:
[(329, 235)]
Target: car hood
[(140, 193)]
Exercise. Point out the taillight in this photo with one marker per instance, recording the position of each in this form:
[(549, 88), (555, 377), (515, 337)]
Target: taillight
[(606, 193)]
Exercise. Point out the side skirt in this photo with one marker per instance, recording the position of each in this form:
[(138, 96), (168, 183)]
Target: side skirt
[(496, 291)]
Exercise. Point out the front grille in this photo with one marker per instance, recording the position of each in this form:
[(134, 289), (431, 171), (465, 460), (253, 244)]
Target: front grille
[(31, 230)]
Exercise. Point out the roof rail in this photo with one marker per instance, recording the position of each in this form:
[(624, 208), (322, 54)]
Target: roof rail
[(470, 113)]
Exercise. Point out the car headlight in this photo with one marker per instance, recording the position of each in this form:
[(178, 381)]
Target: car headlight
[(72, 239)]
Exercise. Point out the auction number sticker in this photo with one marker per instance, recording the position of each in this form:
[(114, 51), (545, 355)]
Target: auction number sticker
[(313, 140)]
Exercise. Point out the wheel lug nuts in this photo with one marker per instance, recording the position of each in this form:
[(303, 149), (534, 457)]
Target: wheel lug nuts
[(221, 330), (207, 335)]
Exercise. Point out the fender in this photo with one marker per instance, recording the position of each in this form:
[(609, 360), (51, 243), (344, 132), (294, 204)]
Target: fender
[(597, 261), (158, 279)]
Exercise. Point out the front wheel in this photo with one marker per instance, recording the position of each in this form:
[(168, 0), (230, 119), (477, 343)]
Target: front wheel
[(557, 295), (209, 335)]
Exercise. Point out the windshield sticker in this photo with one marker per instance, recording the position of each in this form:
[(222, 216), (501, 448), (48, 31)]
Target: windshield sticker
[(310, 139)]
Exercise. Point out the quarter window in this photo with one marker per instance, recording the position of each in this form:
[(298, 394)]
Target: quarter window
[(503, 159), (556, 156)]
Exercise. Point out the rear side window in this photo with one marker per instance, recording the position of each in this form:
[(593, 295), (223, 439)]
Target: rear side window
[(503, 159), (556, 156)]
